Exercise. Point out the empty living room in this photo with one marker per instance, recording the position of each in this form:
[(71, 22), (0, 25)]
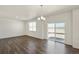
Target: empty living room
[(39, 29)]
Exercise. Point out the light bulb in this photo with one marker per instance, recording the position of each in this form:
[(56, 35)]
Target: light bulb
[(44, 18)]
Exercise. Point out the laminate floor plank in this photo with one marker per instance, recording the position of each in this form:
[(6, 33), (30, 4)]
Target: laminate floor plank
[(30, 45)]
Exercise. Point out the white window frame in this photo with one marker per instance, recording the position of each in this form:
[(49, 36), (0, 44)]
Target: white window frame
[(32, 26)]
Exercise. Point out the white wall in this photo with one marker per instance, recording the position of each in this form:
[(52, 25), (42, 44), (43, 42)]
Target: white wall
[(11, 28), (76, 28)]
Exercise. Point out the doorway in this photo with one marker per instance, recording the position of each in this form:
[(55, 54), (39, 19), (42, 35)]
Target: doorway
[(56, 32)]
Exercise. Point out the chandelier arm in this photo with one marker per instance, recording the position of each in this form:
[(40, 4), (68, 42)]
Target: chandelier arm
[(41, 17)]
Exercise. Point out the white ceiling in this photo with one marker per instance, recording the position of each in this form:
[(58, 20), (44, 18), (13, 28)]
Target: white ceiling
[(29, 11)]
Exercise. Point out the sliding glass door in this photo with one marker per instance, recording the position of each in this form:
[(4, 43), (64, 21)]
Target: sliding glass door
[(60, 32), (56, 31), (51, 30)]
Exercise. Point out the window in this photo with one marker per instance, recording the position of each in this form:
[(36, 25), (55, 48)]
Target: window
[(51, 30), (32, 26), (51, 27), (56, 31), (60, 30)]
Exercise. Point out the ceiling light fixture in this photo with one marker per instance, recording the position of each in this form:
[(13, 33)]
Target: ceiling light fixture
[(42, 18)]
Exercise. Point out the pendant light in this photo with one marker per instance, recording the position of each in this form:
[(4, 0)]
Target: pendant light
[(42, 18)]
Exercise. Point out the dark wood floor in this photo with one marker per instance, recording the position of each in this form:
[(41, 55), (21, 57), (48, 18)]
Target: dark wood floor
[(30, 45)]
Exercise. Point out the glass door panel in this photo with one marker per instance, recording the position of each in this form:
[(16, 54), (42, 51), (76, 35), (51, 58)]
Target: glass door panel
[(60, 32), (51, 30), (56, 31)]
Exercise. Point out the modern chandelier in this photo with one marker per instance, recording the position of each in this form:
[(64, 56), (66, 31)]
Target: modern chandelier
[(42, 18)]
